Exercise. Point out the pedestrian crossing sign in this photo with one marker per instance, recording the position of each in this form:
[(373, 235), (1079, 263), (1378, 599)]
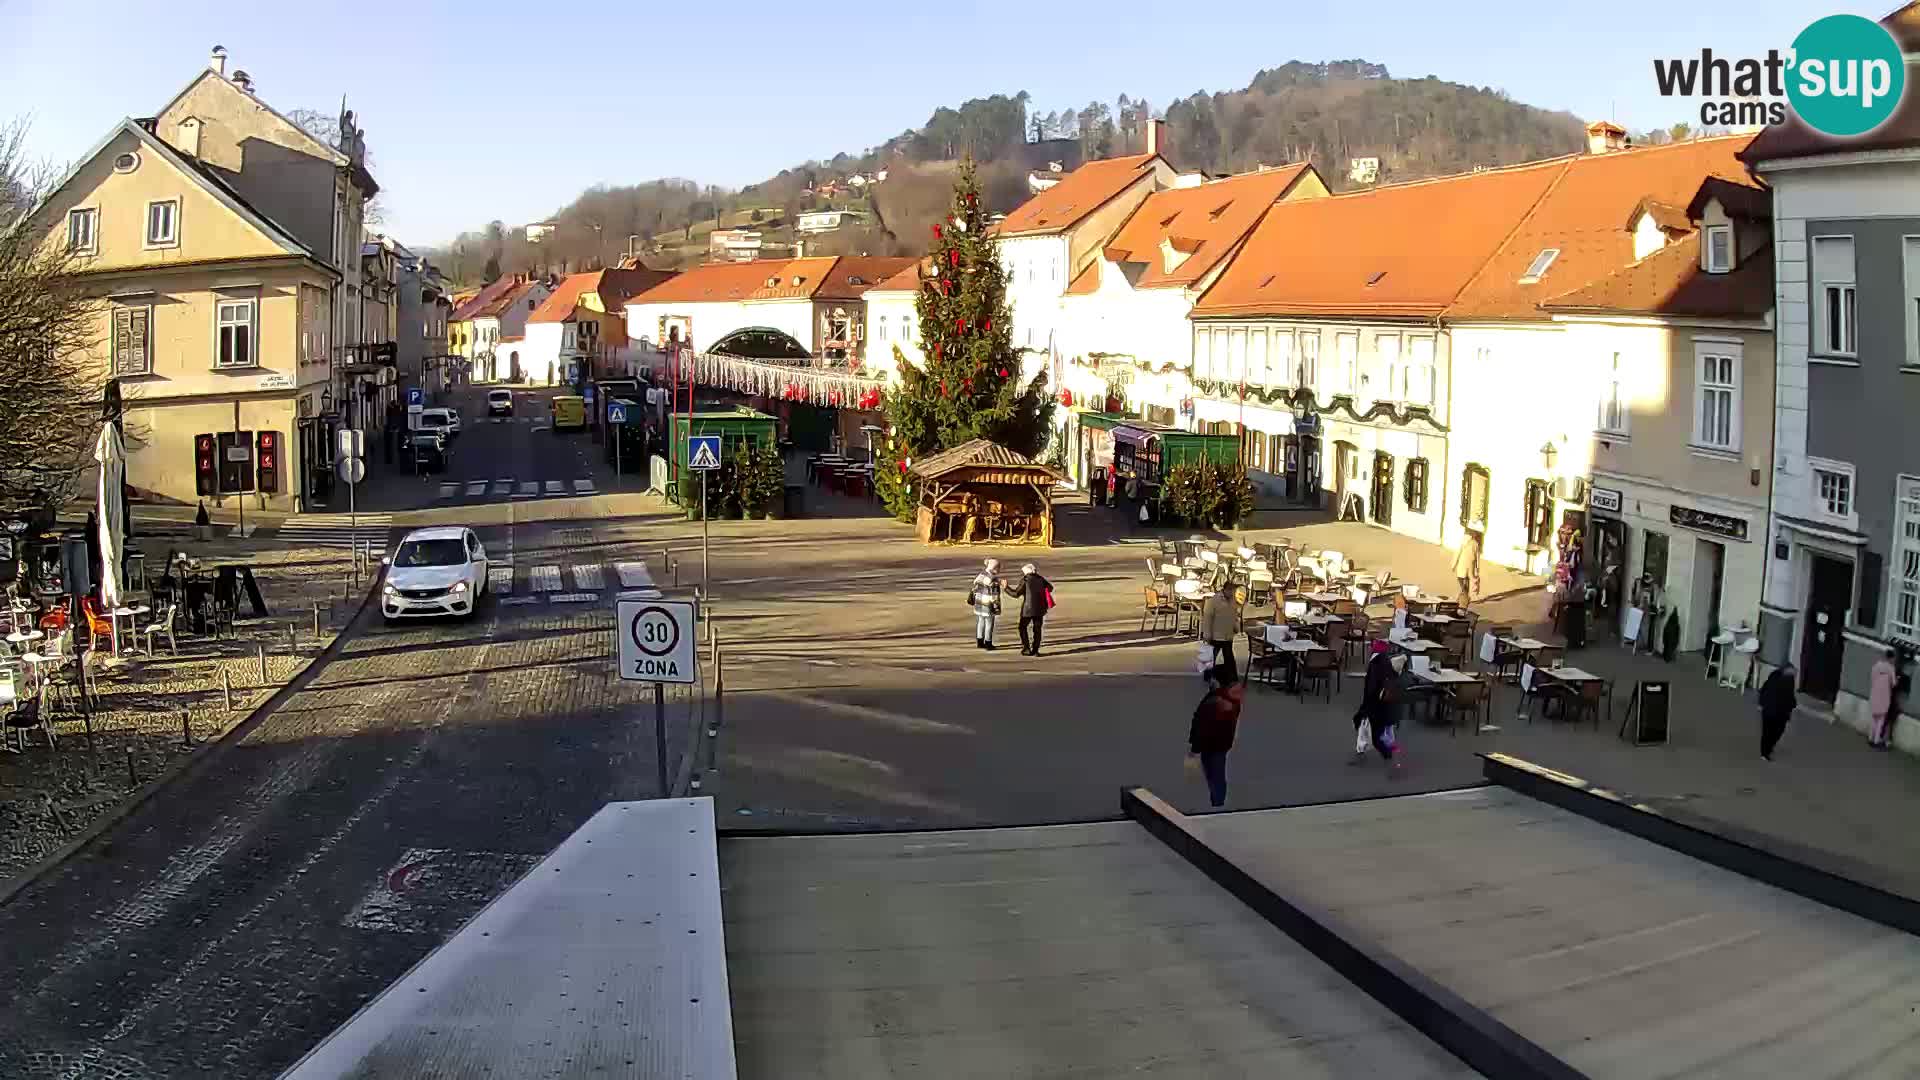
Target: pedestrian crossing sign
[(703, 451)]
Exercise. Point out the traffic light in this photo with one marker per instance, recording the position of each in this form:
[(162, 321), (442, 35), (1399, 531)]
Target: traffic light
[(206, 476), (267, 460)]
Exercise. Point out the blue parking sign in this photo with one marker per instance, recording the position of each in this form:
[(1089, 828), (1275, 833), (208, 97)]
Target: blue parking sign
[(415, 396)]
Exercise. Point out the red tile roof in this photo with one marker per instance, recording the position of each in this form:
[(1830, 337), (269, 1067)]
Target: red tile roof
[(1670, 282), (907, 280), (828, 277), (480, 298), (1078, 194), (1086, 282), (1581, 216), (1204, 223), (498, 305), (1794, 139), (853, 275), (558, 307), (619, 283), (793, 279), (1401, 249)]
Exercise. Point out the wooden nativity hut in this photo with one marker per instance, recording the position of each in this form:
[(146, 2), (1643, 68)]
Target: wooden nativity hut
[(983, 493)]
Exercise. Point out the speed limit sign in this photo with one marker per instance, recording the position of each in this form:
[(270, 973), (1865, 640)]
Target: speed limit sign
[(654, 640)]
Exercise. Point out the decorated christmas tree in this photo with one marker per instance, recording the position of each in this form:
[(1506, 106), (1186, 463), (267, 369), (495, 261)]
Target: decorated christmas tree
[(970, 387)]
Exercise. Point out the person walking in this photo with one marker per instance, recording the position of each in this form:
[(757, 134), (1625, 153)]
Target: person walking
[(1219, 625), (984, 597), (1380, 704), (1777, 701), (1036, 596), (1880, 700), (1466, 568), (1215, 721)]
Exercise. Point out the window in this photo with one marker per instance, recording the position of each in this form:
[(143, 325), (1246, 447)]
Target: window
[(880, 329), (132, 343), (1904, 622), (1309, 359), (1537, 269), (1833, 296), (1475, 489), (1613, 400), (1346, 355), (1653, 558), (1280, 362), (1203, 354), (1416, 485), (163, 223), (1716, 394), (1382, 500), (1416, 374), (1719, 249), (234, 320), (1912, 259), (81, 229), (1237, 355), (1833, 490), (906, 328), (1539, 514), (1386, 350), (1257, 368)]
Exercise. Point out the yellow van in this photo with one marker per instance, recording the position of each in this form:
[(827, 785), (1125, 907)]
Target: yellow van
[(569, 413)]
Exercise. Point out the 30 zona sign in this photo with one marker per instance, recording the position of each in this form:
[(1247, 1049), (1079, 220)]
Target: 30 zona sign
[(655, 640)]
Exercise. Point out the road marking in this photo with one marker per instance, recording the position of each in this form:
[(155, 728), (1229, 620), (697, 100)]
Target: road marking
[(476, 487), (500, 579), (546, 579), (528, 489), (503, 486), (633, 575), (583, 487), (541, 428), (449, 490), (554, 487), (573, 597), (515, 601), (588, 576)]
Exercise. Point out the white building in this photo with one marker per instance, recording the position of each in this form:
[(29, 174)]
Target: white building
[(540, 230), (815, 304), (892, 323), (501, 325), (821, 221), (1363, 170)]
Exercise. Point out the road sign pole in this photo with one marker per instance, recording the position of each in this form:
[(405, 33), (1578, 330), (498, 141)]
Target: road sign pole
[(660, 735), (706, 564), (353, 534)]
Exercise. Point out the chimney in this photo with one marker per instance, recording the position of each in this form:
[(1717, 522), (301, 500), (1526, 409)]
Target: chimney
[(1605, 136), (218, 61), (1156, 135), (188, 140), (244, 81)]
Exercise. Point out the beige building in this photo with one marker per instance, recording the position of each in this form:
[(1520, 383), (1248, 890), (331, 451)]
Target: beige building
[(218, 239)]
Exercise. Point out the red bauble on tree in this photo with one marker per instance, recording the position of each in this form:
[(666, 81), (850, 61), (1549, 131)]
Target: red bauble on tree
[(1003, 373), (936, 232), (953, 256)]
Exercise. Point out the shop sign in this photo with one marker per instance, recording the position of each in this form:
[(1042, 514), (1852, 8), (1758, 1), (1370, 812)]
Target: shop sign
[(1687, 517), (1608, 499), (1307, 425)]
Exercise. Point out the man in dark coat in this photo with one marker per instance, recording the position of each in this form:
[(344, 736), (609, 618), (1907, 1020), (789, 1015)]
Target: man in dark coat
[(1777, 701), (1215, 721), (1036, 595), (1381, 703)]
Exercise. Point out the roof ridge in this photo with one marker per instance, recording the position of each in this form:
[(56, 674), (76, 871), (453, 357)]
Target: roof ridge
[(1512, 230)]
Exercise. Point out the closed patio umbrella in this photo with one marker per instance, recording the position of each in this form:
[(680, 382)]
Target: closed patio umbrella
[(111, 512)]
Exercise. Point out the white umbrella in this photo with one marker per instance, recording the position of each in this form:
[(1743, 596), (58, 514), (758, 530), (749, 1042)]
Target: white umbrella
[(109, 509)]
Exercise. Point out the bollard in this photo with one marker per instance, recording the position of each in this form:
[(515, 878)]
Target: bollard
[(316, 620), (673, 566), (186, 732), (133, 778), (261, 649), (293, 641), (226, 686)]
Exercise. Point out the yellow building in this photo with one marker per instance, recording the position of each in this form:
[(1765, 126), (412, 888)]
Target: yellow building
[(220, 319)]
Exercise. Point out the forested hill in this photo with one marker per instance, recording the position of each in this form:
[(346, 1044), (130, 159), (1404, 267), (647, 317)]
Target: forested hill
[(1326, 113)]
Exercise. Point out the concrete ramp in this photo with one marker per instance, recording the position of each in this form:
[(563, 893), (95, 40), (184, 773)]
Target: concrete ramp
[(606, 960), (1621, 957), (1073, 950)]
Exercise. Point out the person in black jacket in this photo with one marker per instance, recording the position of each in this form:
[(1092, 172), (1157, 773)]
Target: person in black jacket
[(1380, 704), (1036, 596), (1777, 701), (1215, 721)]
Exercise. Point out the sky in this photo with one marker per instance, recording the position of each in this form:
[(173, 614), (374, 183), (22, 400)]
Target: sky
[(483, 110)]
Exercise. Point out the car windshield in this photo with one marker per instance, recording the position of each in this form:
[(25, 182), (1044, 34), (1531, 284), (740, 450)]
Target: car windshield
[(447, 551), (432, 420)]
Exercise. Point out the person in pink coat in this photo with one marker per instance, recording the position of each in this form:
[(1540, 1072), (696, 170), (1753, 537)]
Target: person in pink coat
[(1880, 700)]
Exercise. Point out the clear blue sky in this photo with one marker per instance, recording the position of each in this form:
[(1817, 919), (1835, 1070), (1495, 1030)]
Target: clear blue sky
[(484, 109)]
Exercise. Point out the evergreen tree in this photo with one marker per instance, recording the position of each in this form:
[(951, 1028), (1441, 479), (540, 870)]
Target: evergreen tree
[(970, 387)]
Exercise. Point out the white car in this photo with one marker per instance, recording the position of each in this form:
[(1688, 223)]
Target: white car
[(439, 571), (499, 403), (440, 421)]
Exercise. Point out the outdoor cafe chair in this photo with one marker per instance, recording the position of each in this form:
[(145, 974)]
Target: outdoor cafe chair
[(1357, 637), (1318, 667), (1261, 657), (1157, 607), (1468, 699), (162, 624), (26, 715)]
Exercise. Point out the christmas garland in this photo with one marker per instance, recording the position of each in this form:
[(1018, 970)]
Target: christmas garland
[(1302, 401), (788, 382)]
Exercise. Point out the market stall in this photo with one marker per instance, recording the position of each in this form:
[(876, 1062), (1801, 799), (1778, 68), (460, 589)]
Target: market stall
[(983, 493)]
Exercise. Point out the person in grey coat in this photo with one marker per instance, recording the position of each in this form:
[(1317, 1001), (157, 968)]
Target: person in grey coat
[(1219, 625)]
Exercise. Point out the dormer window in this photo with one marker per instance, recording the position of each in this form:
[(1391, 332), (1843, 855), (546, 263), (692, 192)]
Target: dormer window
[(797, 279), (1537, 269), (1170, 256), (773, 282), (1719, 248)]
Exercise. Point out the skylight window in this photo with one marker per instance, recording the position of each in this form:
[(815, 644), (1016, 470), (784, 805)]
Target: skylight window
[(1538, 267), (1170, 219), (1375, 279), (1218, 210), (1266, 281)]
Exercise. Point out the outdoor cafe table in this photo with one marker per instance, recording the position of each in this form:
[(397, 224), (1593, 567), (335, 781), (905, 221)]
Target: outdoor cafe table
[(1525, 646), (1442, 678), (1323, 597), (1570, 676), (1189, 588), (130, 613), (1434, 620), (24, 637), (1426, 600), (1414, 646), (1293, 649)]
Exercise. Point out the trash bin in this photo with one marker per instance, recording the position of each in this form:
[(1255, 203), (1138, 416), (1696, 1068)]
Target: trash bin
[(795, 503)]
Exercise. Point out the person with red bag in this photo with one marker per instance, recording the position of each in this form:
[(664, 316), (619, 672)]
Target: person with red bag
[(1215, 722), (1036, 596)]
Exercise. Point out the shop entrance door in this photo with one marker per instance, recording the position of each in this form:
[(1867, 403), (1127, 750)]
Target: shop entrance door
[(1829, 588)]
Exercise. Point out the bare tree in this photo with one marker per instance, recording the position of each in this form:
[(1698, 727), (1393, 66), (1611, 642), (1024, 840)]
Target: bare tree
[(50, 381)]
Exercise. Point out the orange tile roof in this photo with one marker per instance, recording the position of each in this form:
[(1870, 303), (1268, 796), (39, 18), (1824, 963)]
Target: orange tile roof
[(1670, 282), (1665, 215), (793, 279), (619, 283), (1086, 282), (711, 283), (1400, 249), (499, 304), (822, 277), (558, 307), (1582, 215), (853, 275), (1204, 223), (1078, 194), (907, 280), (480, 298)]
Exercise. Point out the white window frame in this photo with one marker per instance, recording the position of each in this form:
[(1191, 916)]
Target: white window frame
[(1903, 568), (1613, 398), (1720, 356), (1307, 351), (90, 215), (1416, 377), (223, 320), (880, 328), (1391, 363), (1237, 354), (1840, 289), (1910, 257), (172, 239), (1849, 514), (1711, 234), (1346, 353), (1203, 353), (1281, 357), (1259, 370), (906, 328), (145, 367)]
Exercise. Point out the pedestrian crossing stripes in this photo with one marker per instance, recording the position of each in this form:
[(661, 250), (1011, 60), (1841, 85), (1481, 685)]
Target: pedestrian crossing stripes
[(476, 487), (546, 579), (576, 583), (583, 487), (507, 487), (528, 489), (573, 597), (554, 487), (336, 530), (500, 579), (633, 575)]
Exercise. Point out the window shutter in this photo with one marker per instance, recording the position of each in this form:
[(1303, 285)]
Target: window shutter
[(1866, 610), (1466, 498), (138, 357), (122, 338)]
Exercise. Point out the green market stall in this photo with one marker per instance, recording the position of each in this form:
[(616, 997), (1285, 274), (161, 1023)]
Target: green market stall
[(740, 429)]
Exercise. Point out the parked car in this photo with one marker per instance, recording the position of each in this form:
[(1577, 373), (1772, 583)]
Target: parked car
[(441, 421), (439, 571), (499, 403), (424, 452)]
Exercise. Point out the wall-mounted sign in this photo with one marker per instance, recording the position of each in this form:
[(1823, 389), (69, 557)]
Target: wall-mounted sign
[(276, 380), (1607, 499), (1733, 528)]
